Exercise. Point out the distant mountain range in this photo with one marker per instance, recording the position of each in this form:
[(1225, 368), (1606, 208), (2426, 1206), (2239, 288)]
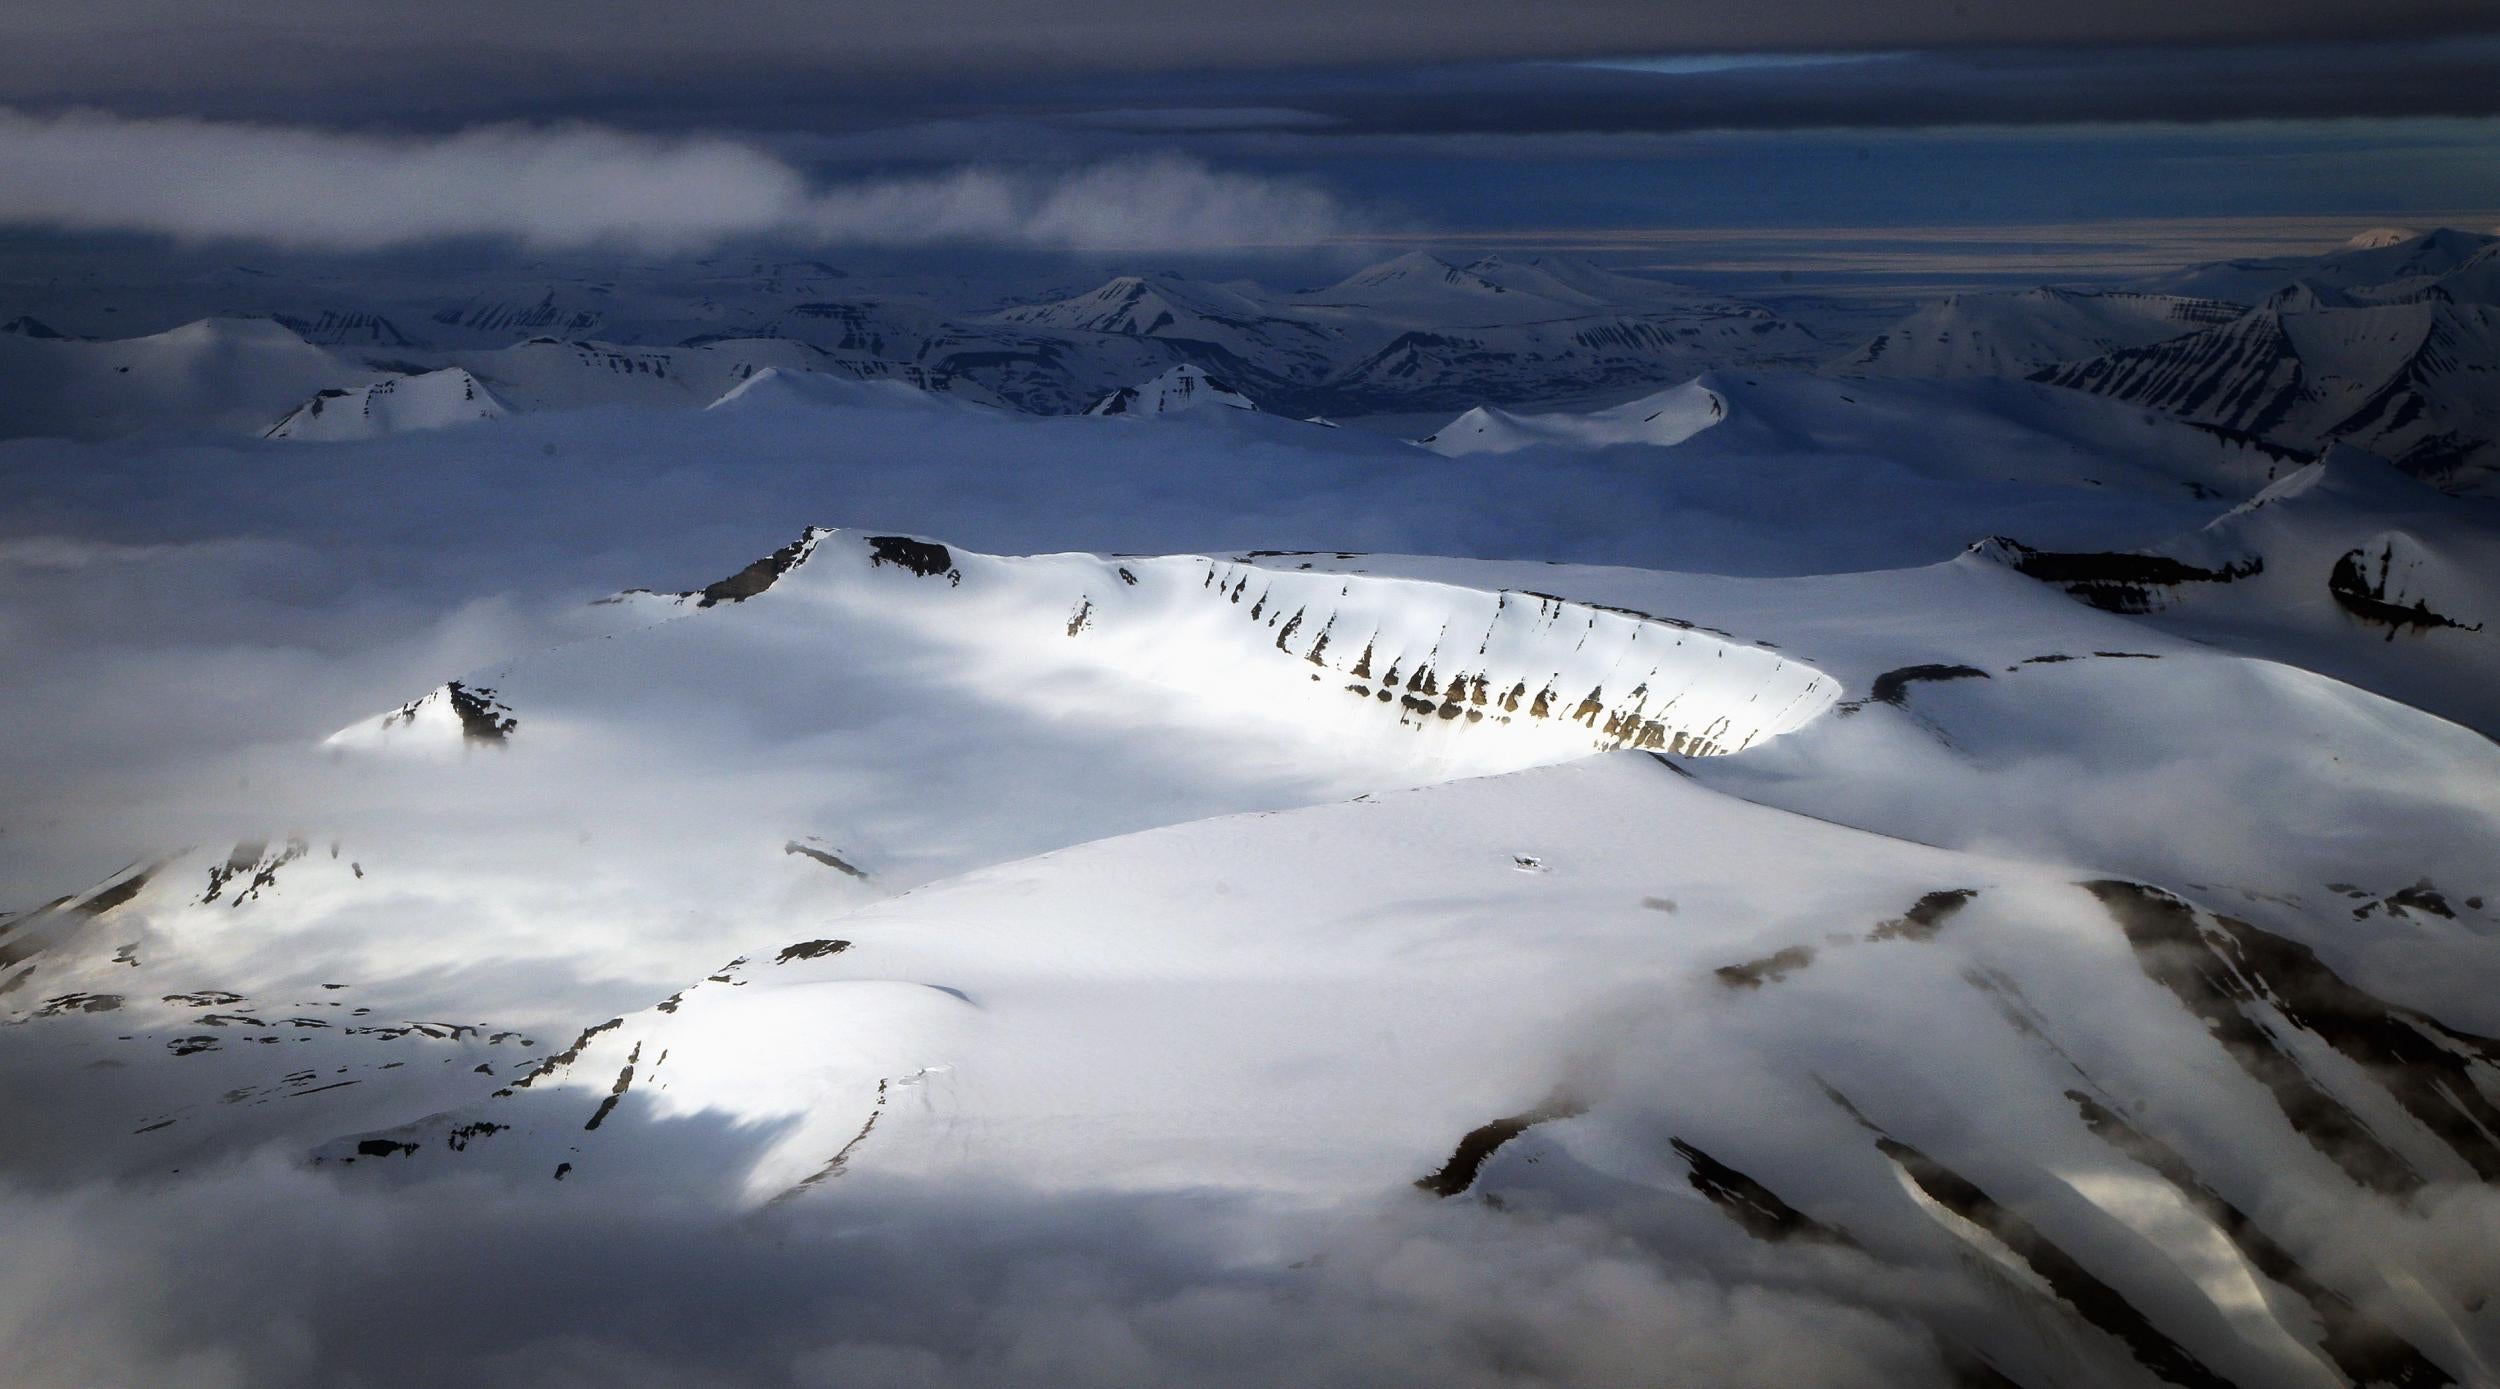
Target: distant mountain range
[(1412, 333), (2391, 343)]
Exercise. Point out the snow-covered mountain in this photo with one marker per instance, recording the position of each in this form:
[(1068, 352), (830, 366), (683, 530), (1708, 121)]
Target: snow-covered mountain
[(2391, 343), (1184, 387), (2346, 566), (2417, 380), (1412, 333), (234, 375), (2383, 268), (1797, 877), (1962, 433), (2019, 333), (1669, 417), (428, 400), (1516, 920)]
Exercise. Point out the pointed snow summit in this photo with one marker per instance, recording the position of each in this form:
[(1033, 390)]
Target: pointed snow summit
[(1184, 387), (1663, 418), (1142, 306), (1415, 269)]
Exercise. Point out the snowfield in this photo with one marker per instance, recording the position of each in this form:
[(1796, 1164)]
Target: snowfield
[(1796, 878)]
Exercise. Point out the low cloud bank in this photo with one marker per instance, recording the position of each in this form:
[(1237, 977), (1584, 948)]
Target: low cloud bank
[(555, 187), (269, 1275)]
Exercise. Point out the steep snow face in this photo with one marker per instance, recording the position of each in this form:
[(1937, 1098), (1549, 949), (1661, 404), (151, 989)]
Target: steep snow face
[(428, 400), (1184, 387), (223, 375), (2417, 380), (1669, 417), (2017, 334)]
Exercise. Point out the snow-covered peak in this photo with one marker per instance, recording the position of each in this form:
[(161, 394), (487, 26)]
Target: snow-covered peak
[(1666, 417), (427, 400), (1408, 276), (1138, 305), (1416, 268), (2000, 334), (785, 385), (2377, 237), (1184, 387)]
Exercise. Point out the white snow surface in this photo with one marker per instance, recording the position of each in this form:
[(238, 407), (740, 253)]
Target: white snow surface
[(428, 400), (1184, 387), (1791, 879)]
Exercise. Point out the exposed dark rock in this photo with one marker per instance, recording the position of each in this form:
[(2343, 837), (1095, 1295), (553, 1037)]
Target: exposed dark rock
[(756, 577), (482, 719), (616, 1093), (1772, 968), (2076, 1286), (842, 1157), (2118, 582), (79, 1003), (2361, 1346), (2232, 975), (926, 558), (2366, 598), (568, 1056), (825, 857), (811, 950), (1459, 1173), (1893, 686), (1751, 1204), (1925, 915)]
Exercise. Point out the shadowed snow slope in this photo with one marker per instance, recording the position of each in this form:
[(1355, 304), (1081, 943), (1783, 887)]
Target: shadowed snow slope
[(430, 400), (1182, 388), (1669, 417), (2346, 566), (228, 374), (2017, 334)]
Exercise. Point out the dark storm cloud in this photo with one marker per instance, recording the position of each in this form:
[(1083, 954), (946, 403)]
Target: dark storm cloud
[(1907, 90), (453, 61)]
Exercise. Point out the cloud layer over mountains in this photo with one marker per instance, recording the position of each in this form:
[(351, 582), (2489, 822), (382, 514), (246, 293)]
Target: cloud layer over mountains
[(576, 185)]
